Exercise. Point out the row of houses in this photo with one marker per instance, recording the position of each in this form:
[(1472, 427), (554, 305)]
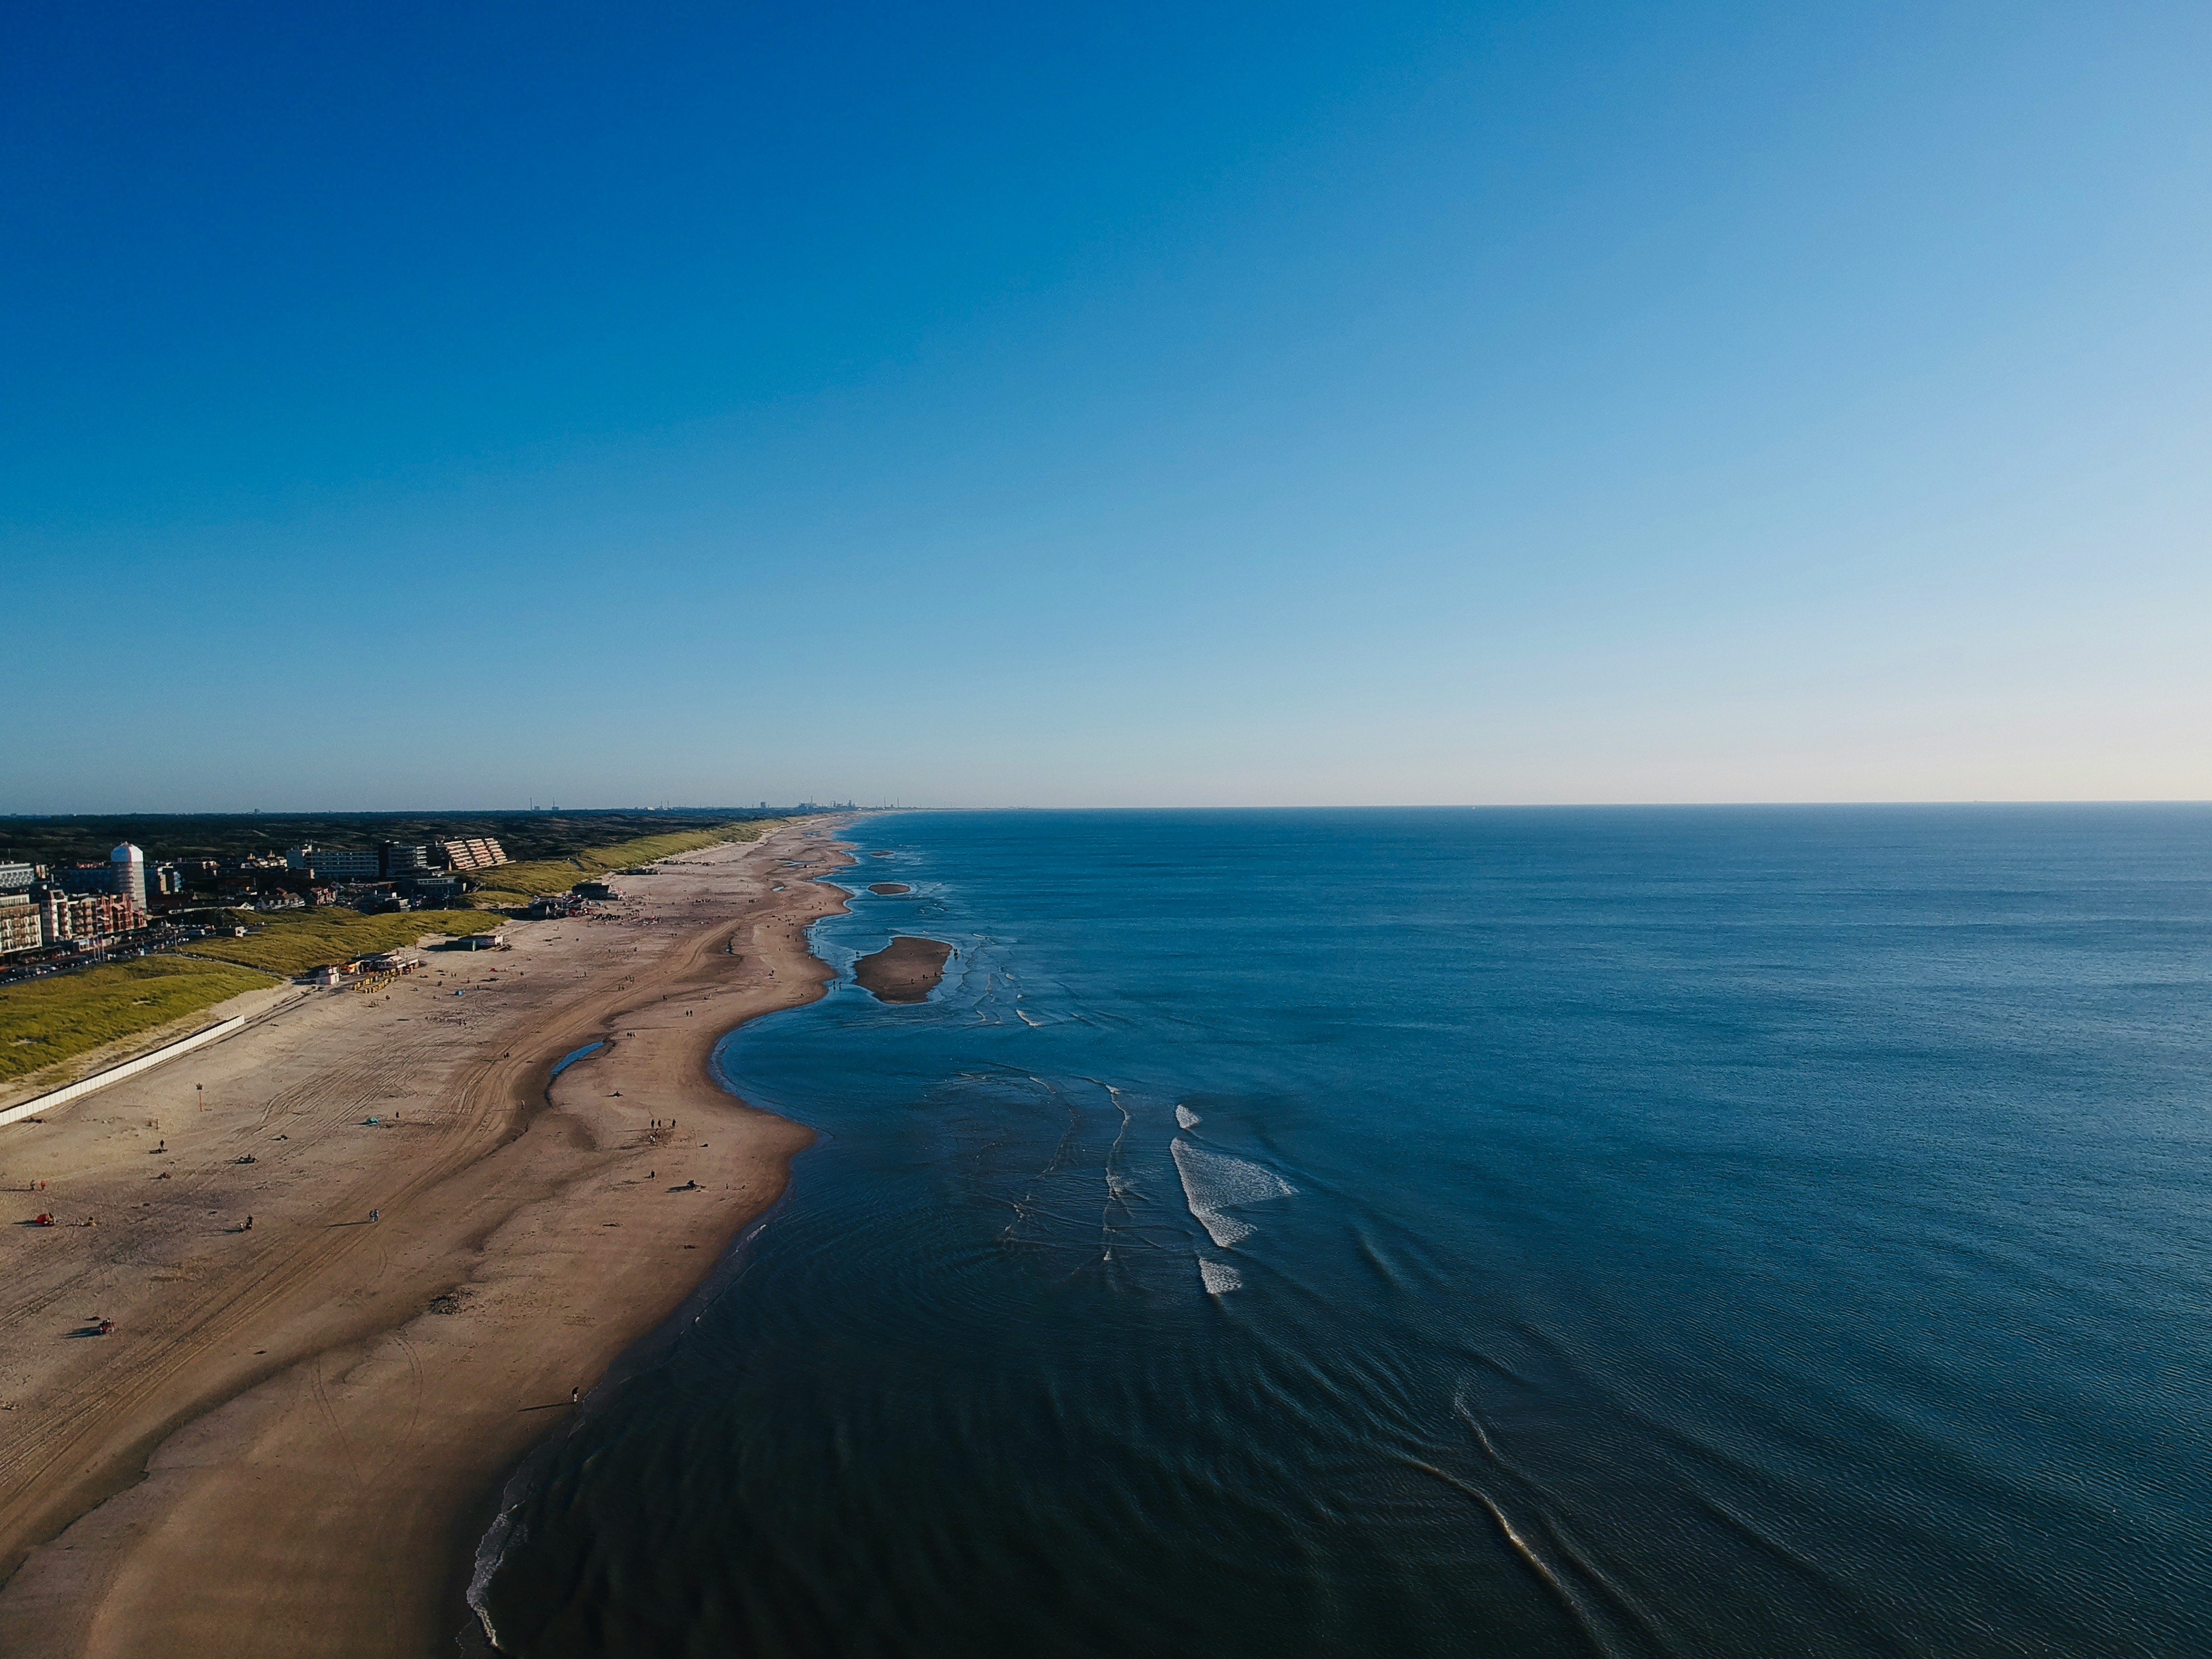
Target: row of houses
[(123, 873), (40, 907)]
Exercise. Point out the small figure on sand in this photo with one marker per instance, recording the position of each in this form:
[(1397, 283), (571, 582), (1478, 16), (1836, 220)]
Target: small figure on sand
[(248, 1227), (376, 1215), (576, 1397)]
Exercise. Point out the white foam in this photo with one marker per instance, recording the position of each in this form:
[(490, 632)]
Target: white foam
[(491, 1552), (1223, 1230), (1219, 1277), (1213, 1181), (1185, 1117)]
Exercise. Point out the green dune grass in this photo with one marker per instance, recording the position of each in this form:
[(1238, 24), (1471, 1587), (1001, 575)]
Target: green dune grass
[(292, 941), (518, 884), (49, 1020)]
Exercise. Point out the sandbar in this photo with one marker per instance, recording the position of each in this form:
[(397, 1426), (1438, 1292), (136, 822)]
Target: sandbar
[(888, 888), (906, 970)]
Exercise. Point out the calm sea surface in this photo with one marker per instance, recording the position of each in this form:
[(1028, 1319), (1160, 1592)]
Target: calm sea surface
[(1714, 1233)]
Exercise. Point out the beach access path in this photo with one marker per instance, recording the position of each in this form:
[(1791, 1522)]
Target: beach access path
[(293, 1437)]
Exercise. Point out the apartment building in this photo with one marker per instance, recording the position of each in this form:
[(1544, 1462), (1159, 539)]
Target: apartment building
[(335, 863), (20, 928), (476, 853), (86, 915)]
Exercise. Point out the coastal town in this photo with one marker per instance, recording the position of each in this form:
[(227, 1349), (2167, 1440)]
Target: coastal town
[(64, 915), (238, 1219), (59, 914)]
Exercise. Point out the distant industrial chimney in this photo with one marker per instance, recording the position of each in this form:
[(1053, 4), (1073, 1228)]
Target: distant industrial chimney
[(130, 873)]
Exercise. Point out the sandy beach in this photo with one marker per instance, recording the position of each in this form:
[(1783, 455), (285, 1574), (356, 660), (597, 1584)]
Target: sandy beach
[(295, 1433)]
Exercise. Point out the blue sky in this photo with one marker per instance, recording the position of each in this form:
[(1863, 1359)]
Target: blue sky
[(412, 405)]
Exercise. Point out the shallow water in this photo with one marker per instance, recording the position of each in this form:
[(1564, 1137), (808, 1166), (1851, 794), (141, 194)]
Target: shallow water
[(575, 1054), (1624, 1232)]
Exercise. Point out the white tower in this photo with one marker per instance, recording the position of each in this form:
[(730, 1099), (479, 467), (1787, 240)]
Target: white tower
[(130, 873)]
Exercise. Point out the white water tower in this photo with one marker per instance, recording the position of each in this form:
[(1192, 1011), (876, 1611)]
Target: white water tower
[(130, 873)]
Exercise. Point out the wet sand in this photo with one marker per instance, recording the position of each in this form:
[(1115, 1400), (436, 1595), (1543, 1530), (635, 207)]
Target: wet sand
[(292, 1440), (906, 970)]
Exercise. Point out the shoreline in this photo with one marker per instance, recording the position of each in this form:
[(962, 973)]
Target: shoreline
[(484, 1537), (384, 1381)]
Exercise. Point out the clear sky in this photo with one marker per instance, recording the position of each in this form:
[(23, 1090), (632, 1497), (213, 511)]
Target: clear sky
[(418, 405)]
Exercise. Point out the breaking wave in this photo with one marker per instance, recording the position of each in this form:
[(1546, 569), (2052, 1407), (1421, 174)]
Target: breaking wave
[(1212, 1181)]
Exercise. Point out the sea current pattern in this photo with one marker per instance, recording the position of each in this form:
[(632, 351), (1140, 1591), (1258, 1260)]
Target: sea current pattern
[(1616, 1232)]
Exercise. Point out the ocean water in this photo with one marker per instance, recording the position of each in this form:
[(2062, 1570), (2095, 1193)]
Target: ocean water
[(1700, 1232)]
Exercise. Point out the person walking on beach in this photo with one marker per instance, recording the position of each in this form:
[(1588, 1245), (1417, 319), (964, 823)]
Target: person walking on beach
[(376, 1215)]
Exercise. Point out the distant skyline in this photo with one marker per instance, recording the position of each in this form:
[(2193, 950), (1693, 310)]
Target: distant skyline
[(983, 405)]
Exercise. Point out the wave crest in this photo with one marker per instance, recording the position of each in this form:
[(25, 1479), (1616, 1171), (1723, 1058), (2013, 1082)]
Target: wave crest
[(1211, 1182)]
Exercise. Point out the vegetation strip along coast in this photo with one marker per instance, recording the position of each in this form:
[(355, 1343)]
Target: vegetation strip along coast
[(47, 1023), (289, 1441)]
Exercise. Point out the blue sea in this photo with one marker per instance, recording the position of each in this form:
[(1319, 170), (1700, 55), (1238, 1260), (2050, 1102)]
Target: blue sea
[(1705, 1233)]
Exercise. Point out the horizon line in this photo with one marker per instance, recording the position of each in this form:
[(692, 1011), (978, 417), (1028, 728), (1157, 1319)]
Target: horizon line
[(820, 810)]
